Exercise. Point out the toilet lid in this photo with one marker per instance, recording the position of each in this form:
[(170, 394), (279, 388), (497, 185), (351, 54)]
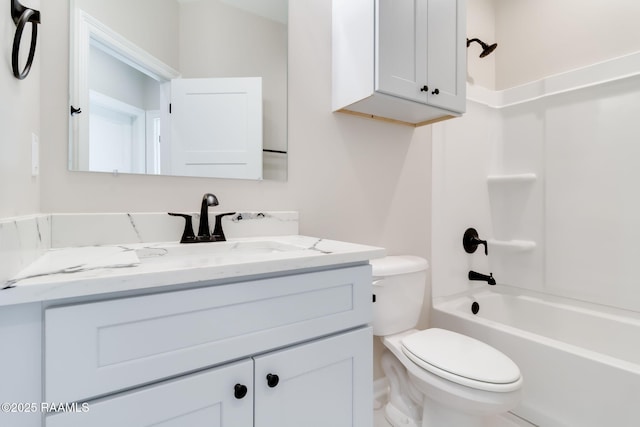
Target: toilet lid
[(393, 265), (461, 359)]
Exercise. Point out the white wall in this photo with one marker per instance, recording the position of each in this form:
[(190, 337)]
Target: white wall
[(120, 81), (19, 117), (481, 25), (538, 38)]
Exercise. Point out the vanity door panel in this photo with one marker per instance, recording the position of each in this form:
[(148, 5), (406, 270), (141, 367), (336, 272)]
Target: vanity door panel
[(201, 400), (93, 349), (324, 383)]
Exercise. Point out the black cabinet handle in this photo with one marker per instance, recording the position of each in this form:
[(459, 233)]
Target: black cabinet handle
[(424, 88), (272, 380), (435, 92), (240, 391)]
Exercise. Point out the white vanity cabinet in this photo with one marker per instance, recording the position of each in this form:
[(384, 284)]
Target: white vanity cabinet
[(322, 383), (175, 358), (400, 60)]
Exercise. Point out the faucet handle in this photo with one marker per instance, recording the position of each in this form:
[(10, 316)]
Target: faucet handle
[(187, 234), (470, 241), (218, 233)]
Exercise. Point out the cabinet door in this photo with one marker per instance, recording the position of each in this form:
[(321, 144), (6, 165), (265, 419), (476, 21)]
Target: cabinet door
[(323, 383), (421, 47), (401, 45), (446, 54), (207, 399)]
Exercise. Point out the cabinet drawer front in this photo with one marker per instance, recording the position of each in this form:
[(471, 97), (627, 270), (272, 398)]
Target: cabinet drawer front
[(97, 348), (201, 400)]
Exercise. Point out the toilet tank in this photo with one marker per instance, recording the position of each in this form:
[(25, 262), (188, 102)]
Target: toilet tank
[(398, 286)]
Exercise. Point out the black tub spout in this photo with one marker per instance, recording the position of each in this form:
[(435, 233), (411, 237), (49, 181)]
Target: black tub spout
[(473, 275)]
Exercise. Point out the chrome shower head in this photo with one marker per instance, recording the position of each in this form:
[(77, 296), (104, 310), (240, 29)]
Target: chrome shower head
[(486, 49)]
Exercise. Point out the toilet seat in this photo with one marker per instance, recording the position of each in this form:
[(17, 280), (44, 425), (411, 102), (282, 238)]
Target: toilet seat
[(462, 360)]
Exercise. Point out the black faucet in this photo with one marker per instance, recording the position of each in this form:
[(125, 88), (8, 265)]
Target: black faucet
[(207, 200), (204, 232), (482, 277)]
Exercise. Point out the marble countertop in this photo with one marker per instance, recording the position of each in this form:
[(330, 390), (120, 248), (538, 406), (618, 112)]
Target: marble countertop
[(93, 270)]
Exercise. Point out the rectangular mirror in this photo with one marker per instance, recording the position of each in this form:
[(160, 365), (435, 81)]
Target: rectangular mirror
[(179, 87)]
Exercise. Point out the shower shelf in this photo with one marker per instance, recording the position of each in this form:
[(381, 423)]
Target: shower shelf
[(520, 178), (513, 245)]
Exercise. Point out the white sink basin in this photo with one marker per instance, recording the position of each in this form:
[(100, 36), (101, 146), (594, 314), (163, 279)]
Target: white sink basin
[(216, 253), (254, 247)]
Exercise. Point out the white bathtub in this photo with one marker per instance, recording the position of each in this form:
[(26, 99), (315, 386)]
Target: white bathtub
[(580, 362)]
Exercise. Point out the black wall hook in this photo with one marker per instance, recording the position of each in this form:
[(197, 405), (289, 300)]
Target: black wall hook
[(22, 15)]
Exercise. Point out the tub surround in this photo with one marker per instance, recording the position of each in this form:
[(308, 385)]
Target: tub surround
[(541, 154)]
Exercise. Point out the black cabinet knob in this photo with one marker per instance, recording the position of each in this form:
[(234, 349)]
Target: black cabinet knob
[(424, 88), (435, 92), (240, 391), (272, 380)]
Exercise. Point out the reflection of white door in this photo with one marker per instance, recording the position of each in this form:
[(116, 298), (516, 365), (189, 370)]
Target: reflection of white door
[(116, 135), (216, 127)]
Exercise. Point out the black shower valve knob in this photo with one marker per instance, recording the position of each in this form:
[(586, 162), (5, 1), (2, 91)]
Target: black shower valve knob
[(470, 241)]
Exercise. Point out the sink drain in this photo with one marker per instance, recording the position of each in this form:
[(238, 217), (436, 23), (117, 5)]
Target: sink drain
[(475, 307)]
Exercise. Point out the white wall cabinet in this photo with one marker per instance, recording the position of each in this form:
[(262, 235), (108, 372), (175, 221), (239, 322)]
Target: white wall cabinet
[(299, 343), (400, 60)]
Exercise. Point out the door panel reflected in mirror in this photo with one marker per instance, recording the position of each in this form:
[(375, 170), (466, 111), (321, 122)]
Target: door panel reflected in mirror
[(125, 74)]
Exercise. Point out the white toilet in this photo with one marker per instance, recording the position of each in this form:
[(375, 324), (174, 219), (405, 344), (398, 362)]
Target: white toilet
[(437, 378)]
